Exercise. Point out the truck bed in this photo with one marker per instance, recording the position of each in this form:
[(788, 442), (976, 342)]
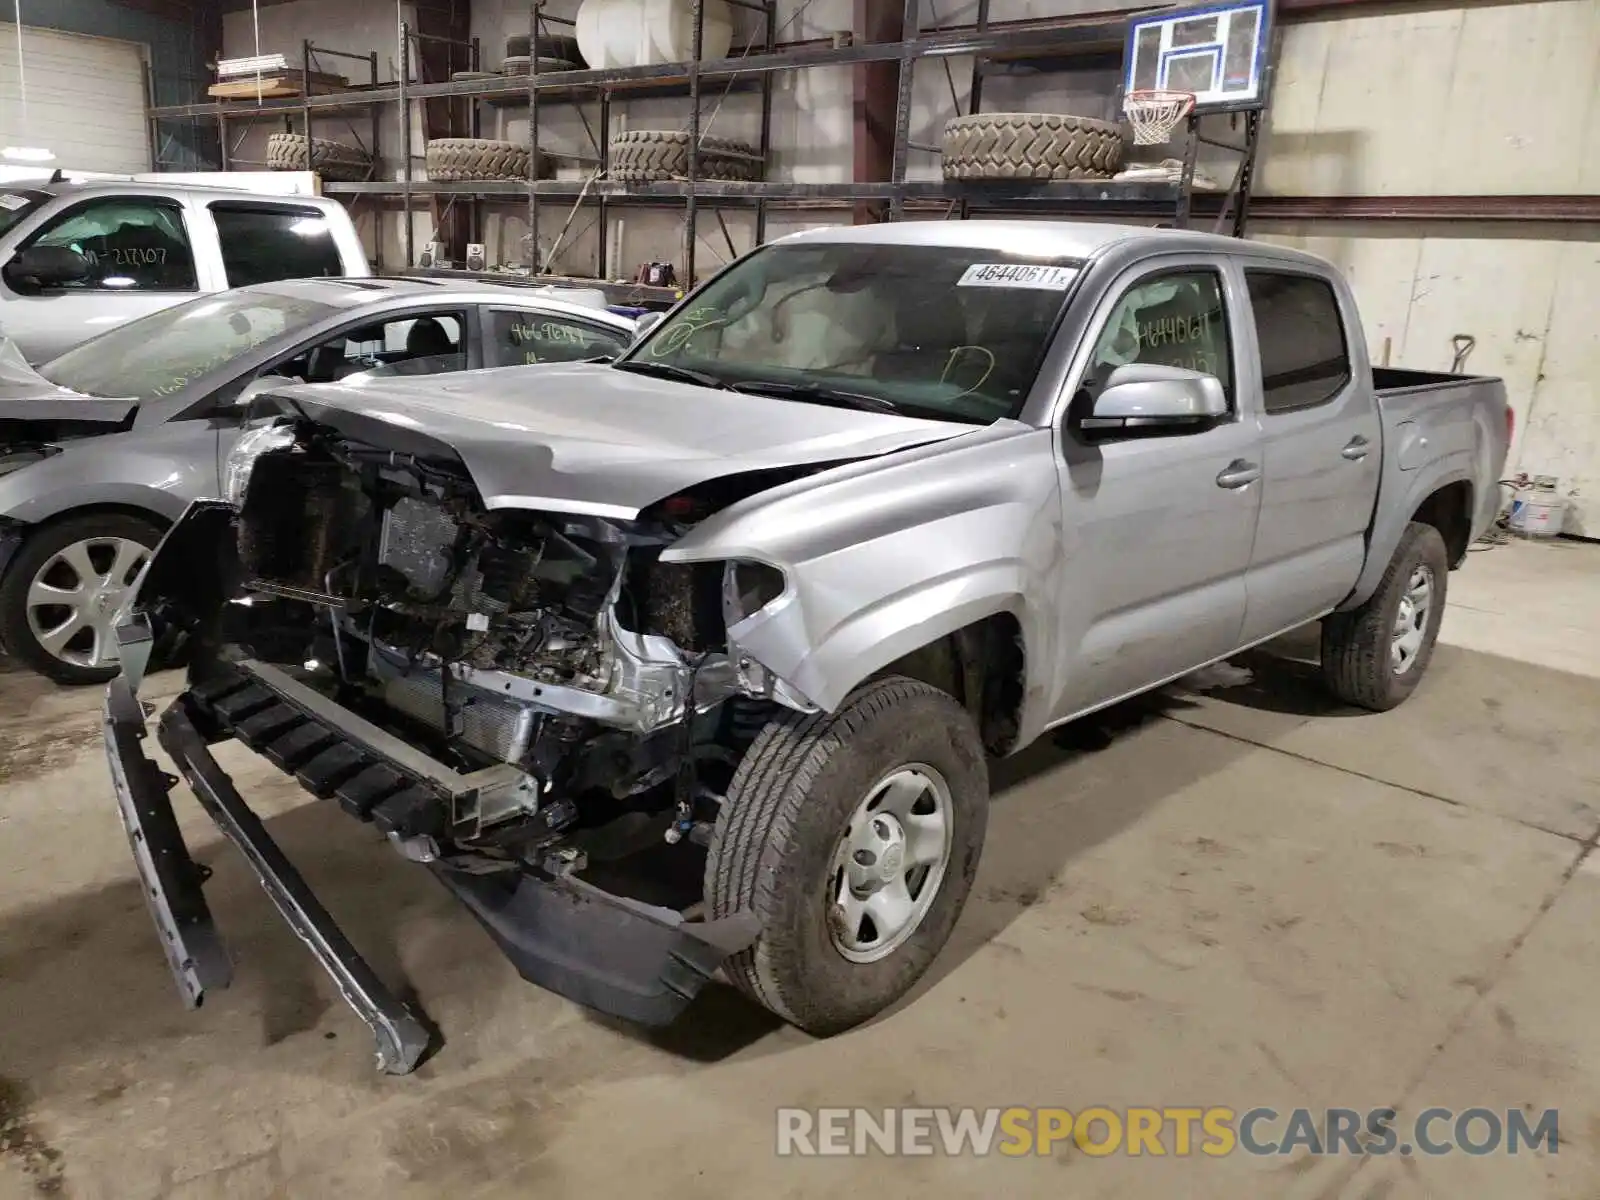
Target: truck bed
[(1438, 429), (1391, 380)]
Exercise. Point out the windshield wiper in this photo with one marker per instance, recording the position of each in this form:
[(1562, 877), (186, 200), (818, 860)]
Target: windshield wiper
[(815, 393), (669, 371)]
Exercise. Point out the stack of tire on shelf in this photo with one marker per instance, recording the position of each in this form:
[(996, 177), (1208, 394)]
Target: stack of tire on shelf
[(659, 155), (469, 160), (554, 52), (1043, 147), (329, 159)]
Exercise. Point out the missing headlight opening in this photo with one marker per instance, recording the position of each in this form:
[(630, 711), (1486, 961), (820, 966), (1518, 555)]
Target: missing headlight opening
[(557, 644)]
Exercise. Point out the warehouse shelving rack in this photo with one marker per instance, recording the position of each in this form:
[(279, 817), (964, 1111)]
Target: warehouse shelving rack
[(1051, 44)]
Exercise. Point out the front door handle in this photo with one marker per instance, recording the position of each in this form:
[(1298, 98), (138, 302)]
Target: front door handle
[(1355, 449), (1239, 473)]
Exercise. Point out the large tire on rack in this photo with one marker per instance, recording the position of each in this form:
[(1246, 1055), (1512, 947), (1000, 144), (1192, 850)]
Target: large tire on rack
[(658, 155), (330, 159), (518, 68), (462, 160), (1374, 656), (818, 837), (548, 45), (1040, 146)]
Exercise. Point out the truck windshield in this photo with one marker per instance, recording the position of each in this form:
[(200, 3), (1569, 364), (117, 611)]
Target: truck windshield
[(947, 332), (159, 355), (16, 203)]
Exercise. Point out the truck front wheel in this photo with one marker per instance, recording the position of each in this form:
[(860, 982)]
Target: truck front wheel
[(853, 836), (1374, 656)]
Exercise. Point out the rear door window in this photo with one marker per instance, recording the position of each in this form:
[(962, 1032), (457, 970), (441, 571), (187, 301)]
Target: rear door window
[(1305, 356), (261, 243), (518, 337)]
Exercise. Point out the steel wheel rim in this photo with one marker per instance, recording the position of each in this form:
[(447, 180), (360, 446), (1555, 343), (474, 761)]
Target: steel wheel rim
[(890, 862), (1411, 620), (74, 597)]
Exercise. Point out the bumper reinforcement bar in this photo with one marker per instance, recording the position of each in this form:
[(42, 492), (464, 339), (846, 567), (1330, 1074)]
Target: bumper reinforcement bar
[(632, 960)]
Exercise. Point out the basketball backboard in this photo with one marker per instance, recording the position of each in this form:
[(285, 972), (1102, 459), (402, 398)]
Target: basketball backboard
[(1216, 51)]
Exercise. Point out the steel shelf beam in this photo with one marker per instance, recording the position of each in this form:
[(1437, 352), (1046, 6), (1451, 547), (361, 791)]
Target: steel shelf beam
[(1040, 39)]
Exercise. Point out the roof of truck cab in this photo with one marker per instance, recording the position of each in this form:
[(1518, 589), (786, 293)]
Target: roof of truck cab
[(198, 191), (1046, 239)]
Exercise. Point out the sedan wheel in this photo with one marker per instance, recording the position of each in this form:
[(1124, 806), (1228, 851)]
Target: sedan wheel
[(62, 592), (73, 601)]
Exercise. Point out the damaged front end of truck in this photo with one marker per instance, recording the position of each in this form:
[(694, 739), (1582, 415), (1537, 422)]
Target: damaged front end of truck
[(525, 699)]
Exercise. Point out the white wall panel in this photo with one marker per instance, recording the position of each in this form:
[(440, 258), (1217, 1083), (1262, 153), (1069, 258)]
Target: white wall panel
[(85, 99)]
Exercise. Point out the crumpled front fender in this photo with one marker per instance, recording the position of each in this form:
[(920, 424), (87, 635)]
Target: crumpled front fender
[(884, 557)]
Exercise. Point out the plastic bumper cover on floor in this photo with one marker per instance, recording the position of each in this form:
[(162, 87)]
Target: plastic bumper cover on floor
[(601, 950)]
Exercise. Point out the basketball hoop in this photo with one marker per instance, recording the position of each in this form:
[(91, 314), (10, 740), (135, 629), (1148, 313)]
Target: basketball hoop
[(1155, 114)]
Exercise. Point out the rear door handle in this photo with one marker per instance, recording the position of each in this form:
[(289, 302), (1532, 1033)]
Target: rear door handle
[(1239, 473), (1355, 449)]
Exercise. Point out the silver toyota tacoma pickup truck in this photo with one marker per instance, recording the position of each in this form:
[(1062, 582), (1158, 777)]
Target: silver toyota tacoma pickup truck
[(694, 660)]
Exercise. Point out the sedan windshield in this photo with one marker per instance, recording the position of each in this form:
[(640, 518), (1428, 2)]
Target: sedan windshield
[(947, 332), (163, 353)]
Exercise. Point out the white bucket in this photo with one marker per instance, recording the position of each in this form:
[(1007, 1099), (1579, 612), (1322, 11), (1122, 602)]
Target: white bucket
[(1538, 514)]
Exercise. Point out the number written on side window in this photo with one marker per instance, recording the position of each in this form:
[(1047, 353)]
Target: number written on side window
[(1305, 359), (522, 338), (1174, 320), (131, 244)]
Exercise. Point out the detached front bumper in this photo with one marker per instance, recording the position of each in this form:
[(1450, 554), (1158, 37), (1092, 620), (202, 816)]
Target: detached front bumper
[(608, 952)]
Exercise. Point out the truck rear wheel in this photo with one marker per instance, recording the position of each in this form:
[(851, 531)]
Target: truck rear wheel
[(1374, 656), (853, 836)]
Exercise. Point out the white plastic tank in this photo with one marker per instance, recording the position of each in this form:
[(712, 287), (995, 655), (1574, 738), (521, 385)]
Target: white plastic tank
[(1538, 512), (636, 33)]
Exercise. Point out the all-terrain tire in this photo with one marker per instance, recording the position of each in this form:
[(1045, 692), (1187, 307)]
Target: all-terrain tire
[(464, 159), (774, 840), (1356, 645), (548, 45), (659, 155), (518, 68), (34, 556), (1041, 146), (332, 160)]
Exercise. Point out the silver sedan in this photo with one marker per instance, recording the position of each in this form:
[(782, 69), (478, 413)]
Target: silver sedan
[(102, 448)]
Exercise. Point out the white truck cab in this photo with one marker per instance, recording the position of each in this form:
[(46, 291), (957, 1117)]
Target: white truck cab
[(77, 259)]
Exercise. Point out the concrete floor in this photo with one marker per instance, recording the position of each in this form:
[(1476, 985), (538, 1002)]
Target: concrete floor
[(1249, 897)]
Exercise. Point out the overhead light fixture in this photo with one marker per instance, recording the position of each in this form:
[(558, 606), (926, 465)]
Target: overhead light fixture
[(31, 154)]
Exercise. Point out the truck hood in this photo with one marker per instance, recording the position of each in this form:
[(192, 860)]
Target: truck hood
[(587, 438), (26, 395)]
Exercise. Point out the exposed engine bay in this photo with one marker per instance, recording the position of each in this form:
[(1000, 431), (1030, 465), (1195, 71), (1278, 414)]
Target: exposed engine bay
[(555, 647)]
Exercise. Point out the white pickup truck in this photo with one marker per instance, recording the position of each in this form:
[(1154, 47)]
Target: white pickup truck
[(77, 259)]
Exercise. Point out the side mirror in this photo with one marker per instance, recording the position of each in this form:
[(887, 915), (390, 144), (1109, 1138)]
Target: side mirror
[(47, 266), (1147, 396), (645, 323)]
